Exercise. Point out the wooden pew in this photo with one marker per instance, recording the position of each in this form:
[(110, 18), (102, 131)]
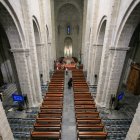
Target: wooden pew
[(85, 110), (53, 95), (92, 135), (43, 115), (47, 128), (81, 89), (51, 114), (84, 106), (56, 84), (52, 103), (89, 121), (53, 99), (55, 90), (35, 135), (51, 106), (93, 127), (87, 115), (82, 92), (49, 110), (48, 121), (83, 99), (84, 102), (76, 96)]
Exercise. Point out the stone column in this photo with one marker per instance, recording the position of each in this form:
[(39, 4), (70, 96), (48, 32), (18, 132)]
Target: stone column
[(134, 130), (48, 60), (92, 64), (96, 61), (88, 60), (108, 64), (113, 74), (42, 60), (24, 73), (5, 130), (51, 57), (85, 58), (39, 56), (36, 97), (108, 37)]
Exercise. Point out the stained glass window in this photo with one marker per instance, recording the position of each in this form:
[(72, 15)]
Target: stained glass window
[(68, 29)]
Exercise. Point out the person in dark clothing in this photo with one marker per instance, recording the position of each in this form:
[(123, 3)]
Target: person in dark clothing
[(70, 83), (25, 100), (1, 96)]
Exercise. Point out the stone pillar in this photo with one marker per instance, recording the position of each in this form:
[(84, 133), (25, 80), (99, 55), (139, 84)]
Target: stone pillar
[(113, 74), (42, 60), (48, 60), (109, 34), (88, 60), (23, 73), (5, 130), (92, 53), (134, 130), (85, 58), (39, 57), (51, 56), (95, 63), (108, 69)]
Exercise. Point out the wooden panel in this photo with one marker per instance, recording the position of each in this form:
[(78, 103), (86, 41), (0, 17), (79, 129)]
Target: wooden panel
[(133, 81)]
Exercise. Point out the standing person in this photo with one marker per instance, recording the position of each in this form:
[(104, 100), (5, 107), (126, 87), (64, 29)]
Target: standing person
[(1, 96), (95, 76), (70, 83), (66, 71), (25, 100), (41, 79)]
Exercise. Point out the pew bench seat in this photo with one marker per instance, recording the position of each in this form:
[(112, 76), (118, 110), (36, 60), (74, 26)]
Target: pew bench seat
[(92, 135), (87, 115), (48, 121), (83, 99), (89, 121), (53, 115), (35, 135), (53, 95)]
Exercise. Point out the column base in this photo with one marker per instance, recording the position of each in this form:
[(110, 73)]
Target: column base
[(102, 105)]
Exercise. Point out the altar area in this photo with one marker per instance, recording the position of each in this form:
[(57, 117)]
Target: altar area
[(67, 62)]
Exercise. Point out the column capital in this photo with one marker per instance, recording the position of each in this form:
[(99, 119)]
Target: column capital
[(119, 48), (40, 44), (49, 43), (20, 50), (97, 45)]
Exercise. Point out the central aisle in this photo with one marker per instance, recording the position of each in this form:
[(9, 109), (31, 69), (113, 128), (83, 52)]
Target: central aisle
[(68, 120)]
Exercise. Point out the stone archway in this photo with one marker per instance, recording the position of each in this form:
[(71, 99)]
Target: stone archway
[(19, 48), (98, 50), (38, 45), (8, 71), (12, 39)]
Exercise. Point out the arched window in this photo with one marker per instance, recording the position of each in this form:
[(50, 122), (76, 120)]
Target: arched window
[(68, 30)]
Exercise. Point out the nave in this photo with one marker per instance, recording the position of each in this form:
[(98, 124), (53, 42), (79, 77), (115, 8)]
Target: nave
[(115, 123), (85, 124), (73, 114)]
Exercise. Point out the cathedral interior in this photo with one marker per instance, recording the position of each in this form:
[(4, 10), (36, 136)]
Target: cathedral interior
[(69, 70)]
